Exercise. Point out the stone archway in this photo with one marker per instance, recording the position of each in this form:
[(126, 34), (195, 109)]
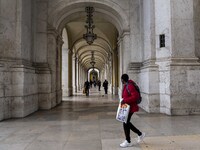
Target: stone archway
[(31, 52), (106, 52)]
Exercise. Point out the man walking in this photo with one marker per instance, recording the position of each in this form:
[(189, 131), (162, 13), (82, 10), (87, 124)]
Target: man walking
[(87, 87), (105, 85), (129, 96)]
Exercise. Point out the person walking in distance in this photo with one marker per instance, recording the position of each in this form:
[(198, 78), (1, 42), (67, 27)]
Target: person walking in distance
[(105, 85), (87, 87), (99, 85), (130, 97)]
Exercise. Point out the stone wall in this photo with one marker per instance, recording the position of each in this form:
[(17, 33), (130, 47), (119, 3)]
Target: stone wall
[(18, 81), (25, 75), (184, 88)]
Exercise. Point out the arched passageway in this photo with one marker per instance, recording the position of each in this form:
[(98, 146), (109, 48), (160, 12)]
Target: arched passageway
[(43, 55), (77, 54), (128, 42)]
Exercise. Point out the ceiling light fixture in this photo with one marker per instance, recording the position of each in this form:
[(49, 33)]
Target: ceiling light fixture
[(89, 36)]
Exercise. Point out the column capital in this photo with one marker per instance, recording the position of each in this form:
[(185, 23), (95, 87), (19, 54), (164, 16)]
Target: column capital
[(122, 36), (52, 30), (124, 33)]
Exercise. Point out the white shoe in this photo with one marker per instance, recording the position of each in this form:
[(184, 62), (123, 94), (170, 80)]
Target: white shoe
[(141, 137), (125, 144)]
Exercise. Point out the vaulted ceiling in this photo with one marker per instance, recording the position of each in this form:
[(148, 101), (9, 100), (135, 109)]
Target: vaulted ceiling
[(103, 46)]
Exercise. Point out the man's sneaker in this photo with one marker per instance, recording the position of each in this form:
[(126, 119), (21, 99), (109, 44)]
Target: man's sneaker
[(125, 144), (141, 137)]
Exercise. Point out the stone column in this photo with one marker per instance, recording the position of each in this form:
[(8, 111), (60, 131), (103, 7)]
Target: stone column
[(40, 28), (82, 77), (146, 73), (109, 75), (58, 69), (47, 73), (74, 74), (184, 65), (18, 80), (78, 75), (135, 13), (120, 63), (105, 71), (65, 72), (70, 74), (178, 65), (126, 51), (115, 72), (50, 93)]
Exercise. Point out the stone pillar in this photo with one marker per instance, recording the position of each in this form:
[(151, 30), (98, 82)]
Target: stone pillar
[(148, 81), (78, 75), (47, 73), (115, 72), (179, 68), (18, 81), (109, 75), (50, 93), (146, 73), (105, 71), (40, 28), (74, 74), (126, 51), (44, 85), (120, 64), (136, 41), (70, 74), (65, 72), (184, 65), (58, 70), (44, 44), (82, 76)]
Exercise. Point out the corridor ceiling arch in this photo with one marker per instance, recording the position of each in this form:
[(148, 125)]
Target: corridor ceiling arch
[(95, 48), (84, 53), (62, 12), (101, 42), (110, 21), (100, 53)]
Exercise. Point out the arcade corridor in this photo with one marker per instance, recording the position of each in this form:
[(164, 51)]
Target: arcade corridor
[(88, 123)]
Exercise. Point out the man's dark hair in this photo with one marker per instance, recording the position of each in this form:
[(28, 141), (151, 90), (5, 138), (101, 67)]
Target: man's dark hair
[(125, 77)]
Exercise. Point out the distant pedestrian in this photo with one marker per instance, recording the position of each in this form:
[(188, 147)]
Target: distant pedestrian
[(87, 87), (105, 85), (99, 84), (95, 83), (90, 83)]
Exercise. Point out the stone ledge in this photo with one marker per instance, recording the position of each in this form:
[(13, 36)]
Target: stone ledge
[(179, 61), (42, 68)]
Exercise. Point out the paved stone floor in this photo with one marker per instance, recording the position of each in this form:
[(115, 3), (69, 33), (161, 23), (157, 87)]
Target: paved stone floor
[(88, 123)]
